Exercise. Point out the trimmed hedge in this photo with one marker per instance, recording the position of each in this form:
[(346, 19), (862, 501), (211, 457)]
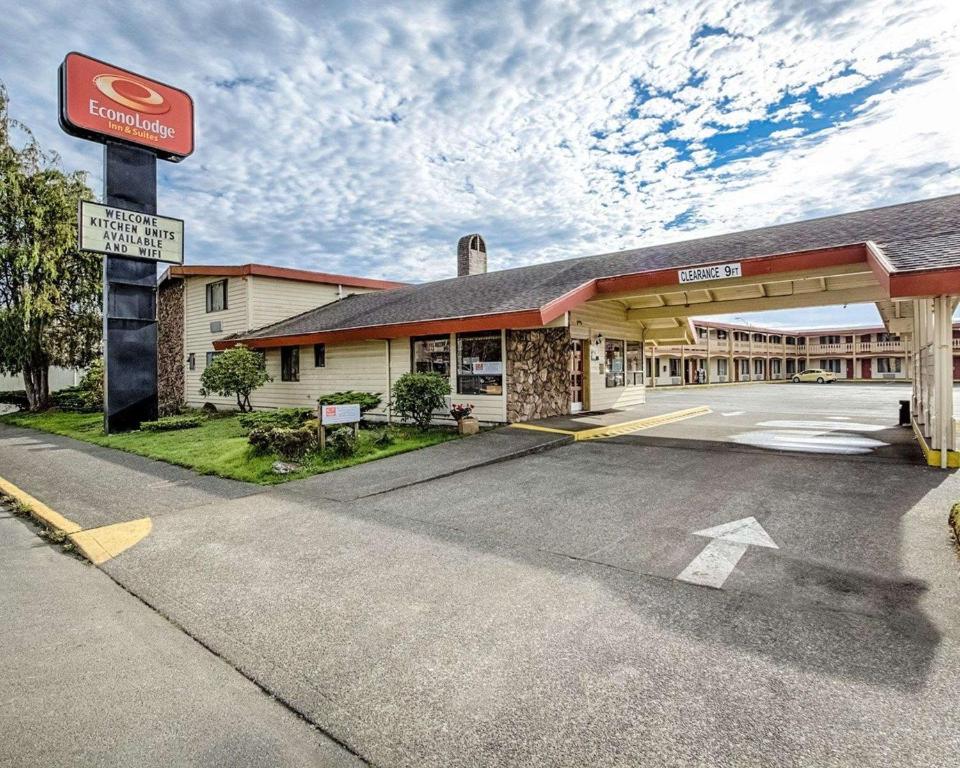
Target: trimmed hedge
[(17, 397), (77, 399), (288, 418), (170, 423)]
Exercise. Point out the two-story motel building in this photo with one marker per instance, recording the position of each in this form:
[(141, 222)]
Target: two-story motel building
[(591, 333)]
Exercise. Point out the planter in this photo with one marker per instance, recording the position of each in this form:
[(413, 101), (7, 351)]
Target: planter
[(468, 426)]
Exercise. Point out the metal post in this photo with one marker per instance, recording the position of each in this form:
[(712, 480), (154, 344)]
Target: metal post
[(130, 299)]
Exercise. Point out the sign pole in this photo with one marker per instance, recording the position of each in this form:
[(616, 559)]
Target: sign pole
[(129, 298)]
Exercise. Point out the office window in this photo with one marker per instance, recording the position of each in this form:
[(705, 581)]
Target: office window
[(614, 361), (479, 364), (217, 296), (211, 356), (430, 354), (290, 363), (192, 361), (889, 364), (319, 355)]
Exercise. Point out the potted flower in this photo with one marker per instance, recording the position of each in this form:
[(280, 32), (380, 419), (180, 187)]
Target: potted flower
[(466, 424)]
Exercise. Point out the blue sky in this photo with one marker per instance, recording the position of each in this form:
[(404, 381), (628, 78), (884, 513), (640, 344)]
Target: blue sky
[(365, 138)]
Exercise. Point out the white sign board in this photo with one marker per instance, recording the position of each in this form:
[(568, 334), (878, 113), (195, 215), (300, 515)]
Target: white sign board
[(339, 414), (122, 232), (487, 369), (712, 272)]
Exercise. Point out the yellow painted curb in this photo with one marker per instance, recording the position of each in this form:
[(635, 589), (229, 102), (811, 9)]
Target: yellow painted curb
[(933, 455), (101, 544), (623, 428), (639, 424), (536, 428), (96, 544), (38, 509)]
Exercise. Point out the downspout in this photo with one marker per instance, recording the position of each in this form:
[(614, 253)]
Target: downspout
[(389, 387)]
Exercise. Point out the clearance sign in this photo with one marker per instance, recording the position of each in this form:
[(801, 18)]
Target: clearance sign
[(101, 102)]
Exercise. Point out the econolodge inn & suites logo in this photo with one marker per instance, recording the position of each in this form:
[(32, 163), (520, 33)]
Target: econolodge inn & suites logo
[(114, 103)]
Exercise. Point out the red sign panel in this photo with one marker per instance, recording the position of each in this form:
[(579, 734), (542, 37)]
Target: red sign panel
[(99, 102)]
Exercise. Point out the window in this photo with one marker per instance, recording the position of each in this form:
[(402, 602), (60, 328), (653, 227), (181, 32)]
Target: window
[(211, 356), (888, 364), (479, 364), (614, 362), (721, 334), (634, 377), (192, 361), (830, 365), (217, 296), (674, 366), (290, 363), (319, 355), (430, 354), (722, 366)]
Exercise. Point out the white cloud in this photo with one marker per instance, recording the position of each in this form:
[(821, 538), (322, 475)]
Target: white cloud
[(366, 138)]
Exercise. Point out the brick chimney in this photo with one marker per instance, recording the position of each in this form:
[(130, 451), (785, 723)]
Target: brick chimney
[(471, 256)]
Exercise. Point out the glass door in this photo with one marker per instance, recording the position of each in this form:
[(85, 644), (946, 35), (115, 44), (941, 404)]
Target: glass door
[(575, 366)]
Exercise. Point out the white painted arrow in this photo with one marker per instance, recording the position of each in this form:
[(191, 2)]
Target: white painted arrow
[(718, 559)]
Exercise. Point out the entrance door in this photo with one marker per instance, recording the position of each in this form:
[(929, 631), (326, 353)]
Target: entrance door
[(849, 369), (866, 370), (575, 367)]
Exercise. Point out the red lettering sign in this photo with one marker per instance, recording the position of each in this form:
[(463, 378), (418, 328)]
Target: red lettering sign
[(99, 101)]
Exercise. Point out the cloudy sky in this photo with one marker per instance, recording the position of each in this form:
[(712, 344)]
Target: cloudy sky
[(365, 138)]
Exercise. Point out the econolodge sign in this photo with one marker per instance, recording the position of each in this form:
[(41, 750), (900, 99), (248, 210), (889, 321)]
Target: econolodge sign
[(101, 102), (122, 232)]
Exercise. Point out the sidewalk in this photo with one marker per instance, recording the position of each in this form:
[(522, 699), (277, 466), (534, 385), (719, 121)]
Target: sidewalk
[(89, 675)]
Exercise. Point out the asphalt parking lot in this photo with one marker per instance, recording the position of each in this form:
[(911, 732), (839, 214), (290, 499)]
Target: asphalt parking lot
[(535, 612)]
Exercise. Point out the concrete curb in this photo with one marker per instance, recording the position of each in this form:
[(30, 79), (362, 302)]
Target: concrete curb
[(98, 545)]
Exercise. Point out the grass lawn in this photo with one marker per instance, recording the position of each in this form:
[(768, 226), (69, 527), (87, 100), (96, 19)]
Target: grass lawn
[(219, 446)]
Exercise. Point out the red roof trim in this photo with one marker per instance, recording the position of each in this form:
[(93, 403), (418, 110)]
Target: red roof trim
[(523, 319), (282, 273)]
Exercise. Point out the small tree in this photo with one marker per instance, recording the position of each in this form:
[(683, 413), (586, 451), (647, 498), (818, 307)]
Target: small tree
[(417, 395), (238, 371)]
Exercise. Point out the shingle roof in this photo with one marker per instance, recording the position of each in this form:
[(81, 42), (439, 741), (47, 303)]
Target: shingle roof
[(913, 236)]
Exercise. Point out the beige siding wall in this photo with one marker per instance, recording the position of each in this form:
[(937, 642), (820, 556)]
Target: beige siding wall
[(275, 299), (252, 302), (607, 320), (360, 366), (198, 337)]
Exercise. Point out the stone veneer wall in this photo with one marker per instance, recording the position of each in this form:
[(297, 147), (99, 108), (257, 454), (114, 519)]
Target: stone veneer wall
[(170, 352), (538, 378)]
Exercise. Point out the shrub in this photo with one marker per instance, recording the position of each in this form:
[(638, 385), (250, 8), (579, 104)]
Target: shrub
[(237, 372), (288, 443), (366, 401), (382, 438), (170, 423), (92, 382), (417, 395), (342, 442), (17, 397), (292, 443), (76, 399), (282, 417)]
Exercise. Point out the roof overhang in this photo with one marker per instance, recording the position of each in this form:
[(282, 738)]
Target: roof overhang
[(851, 273), (280, 273)]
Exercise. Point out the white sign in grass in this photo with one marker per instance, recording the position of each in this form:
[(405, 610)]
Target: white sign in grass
[(712, 272), (122, 232), (339, 414)]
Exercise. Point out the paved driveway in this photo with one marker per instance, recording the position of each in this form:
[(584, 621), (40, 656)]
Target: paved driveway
[(529, 612)]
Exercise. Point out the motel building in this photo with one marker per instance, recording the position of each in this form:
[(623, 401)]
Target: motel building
[(725, 353), (592, 333)]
